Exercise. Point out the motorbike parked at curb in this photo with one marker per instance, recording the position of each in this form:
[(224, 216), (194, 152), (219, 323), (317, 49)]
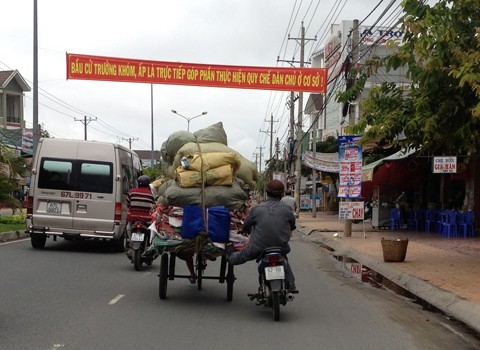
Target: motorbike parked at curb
[(272, 291), (140, 245)]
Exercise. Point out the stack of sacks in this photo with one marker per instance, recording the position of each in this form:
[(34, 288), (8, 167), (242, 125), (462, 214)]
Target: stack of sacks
[(218, 169), (203, 158)]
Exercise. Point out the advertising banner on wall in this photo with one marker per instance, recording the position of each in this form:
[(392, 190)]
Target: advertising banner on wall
[(86, 67), (350, 172)]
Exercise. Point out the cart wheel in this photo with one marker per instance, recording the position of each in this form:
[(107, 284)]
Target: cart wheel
[(171, 271), (200, 267), (223, 268), (163, 277), (230, 280)]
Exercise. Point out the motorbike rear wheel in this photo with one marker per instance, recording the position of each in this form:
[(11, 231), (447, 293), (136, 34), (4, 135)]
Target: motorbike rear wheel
[(137, 259), (276, 305)]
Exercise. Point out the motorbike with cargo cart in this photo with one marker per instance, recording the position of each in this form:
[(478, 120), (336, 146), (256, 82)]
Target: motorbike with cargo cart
[(204, 233)]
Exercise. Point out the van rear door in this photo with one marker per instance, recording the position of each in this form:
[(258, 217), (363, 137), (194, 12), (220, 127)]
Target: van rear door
[(54, 198), (94, 206)]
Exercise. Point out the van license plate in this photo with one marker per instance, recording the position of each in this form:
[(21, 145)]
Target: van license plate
[(137, 237), (274, 273), (54, 207)]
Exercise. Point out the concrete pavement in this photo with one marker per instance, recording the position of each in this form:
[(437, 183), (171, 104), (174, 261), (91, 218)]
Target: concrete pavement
[(441, 271)]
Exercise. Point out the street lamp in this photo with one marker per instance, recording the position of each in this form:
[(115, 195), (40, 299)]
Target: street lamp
[(188, 119)]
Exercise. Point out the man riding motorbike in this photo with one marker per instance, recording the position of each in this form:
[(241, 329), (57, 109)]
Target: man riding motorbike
[(140, 202), (270, 224)]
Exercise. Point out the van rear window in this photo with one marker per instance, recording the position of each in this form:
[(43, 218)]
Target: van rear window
[(95, 177), (56, 175), (76, 175)]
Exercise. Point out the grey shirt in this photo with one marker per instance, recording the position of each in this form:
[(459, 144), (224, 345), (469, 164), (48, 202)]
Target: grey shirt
[(290, 201), (270, 224)]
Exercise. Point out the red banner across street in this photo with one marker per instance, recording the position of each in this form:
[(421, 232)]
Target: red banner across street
[(86, 67)]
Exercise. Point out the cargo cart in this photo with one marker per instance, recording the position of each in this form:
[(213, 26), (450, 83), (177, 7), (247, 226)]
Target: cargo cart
[(202, 250)]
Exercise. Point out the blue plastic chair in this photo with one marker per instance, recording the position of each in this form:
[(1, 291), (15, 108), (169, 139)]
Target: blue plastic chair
[(415, 218), (465, 225), (449, 224), (395, 219), (431, 220)]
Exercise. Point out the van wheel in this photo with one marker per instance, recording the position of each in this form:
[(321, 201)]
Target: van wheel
[(38, 240), (118, 245)]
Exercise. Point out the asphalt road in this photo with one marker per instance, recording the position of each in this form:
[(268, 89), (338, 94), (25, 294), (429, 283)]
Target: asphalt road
[(81, 295)]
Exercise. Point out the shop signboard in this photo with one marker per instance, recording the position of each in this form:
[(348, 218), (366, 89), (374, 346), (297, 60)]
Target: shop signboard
[(443, 165), (351, 210)]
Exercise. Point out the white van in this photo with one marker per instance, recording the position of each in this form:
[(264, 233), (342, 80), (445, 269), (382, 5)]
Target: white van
[(79, 190)]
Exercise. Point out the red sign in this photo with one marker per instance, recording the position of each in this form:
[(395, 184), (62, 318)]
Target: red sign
[(85, 67)]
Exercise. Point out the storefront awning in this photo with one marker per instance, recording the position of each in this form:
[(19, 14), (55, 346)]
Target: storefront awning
[(367, 170)]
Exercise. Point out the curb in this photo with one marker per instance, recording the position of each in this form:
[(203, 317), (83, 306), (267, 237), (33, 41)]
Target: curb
[(12, 236), (449, 303)]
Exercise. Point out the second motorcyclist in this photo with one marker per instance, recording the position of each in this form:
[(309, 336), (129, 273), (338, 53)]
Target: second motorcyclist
[(140, 202), (270, 224)]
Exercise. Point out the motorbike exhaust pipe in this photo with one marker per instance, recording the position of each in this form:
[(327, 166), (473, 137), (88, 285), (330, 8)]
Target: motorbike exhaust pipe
[(290, 297)]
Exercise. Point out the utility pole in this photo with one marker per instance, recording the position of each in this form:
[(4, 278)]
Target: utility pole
[(354, 56), (85, 122), (277, 148), (130, 140), (298, 161), (270, 133), (36, 125), (151, 126), (260, 162), (314, 171)]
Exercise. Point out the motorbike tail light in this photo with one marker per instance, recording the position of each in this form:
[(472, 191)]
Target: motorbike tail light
[(274, 259), (138, 226), (30, 205), (118, 211)]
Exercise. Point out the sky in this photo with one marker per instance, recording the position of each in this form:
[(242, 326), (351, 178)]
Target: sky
[(236, 32)]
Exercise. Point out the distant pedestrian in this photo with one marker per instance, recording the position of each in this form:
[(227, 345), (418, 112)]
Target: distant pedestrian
[(289, 200)]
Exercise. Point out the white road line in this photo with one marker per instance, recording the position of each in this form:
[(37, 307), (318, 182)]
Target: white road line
[(116, 299), (15, 241), (56, 346)]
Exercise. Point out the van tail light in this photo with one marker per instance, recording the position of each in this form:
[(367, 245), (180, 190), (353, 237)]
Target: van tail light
[(30, 205), (118, 211)]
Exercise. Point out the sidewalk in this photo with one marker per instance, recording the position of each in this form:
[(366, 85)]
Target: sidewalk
[(443, 272)]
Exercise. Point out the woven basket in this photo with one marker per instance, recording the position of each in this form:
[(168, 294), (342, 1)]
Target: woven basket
[(394, 250)]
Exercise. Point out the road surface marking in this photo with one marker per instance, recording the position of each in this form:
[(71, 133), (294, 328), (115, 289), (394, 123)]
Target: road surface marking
[(15, 241), (116, 299)]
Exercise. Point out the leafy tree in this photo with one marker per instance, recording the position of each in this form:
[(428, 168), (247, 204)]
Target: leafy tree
[(439, 112), (154, 172)]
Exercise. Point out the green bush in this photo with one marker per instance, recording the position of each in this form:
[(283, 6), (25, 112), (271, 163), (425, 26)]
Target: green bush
[(12, 219)]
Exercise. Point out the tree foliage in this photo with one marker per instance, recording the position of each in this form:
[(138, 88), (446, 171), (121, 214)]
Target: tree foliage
[(439, 111), (10, 167)]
